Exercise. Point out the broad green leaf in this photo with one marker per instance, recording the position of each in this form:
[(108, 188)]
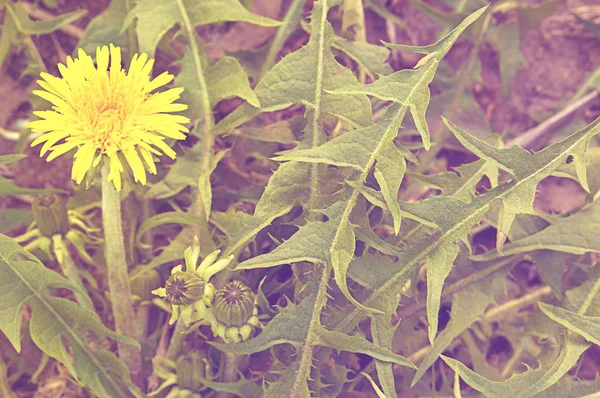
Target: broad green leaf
[(574, 234), (55, 321), (156, 17), (225, 79), (467, 307), (586, 326), (7, 188), (528, 384), (105, 28)]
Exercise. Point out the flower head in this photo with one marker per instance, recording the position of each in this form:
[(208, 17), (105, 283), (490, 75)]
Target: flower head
[(108, 113), (189, 289)]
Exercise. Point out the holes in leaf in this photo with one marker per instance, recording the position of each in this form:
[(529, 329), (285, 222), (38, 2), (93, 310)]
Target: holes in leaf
[(569, 159)]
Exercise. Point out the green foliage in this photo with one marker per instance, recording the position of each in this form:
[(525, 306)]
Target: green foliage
[(25, 281), (294, 169)]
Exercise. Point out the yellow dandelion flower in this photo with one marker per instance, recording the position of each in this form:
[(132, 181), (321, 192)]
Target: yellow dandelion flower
[(108, 112)]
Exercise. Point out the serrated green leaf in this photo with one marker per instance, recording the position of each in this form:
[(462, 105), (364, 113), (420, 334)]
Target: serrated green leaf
[(301, 78), (443, 45), (454, 218), (529, 168), (461, 182), (409, 88), (576, 234), (25, 281), (586, 326), (467, 307), (528, 384), (156, 17)]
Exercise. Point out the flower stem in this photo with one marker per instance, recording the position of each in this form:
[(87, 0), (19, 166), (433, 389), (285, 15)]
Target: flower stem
[(72, 273), (118, 277), (176, 340)]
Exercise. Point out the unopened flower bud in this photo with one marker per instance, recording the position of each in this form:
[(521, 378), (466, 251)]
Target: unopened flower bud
[(184, 288), (50, 215), (190, 369), (235, 311)]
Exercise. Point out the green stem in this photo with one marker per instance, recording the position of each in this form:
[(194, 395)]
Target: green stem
[(71, 272), (118, 276), (176, 341), (230, 363), (208, 140)]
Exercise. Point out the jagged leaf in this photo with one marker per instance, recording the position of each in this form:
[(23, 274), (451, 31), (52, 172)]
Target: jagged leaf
[(156, 17), (576, 234), (461, 182), (55, 321), (586, 326), (527, 384), (529, 168), (454, 217), (409, 88), (301, 77), (467, 307)]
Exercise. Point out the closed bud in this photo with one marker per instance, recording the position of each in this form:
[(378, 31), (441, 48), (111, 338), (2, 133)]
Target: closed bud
[(50, 215), (184, 288), (235, 312), (191, 370), (234, 304)]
